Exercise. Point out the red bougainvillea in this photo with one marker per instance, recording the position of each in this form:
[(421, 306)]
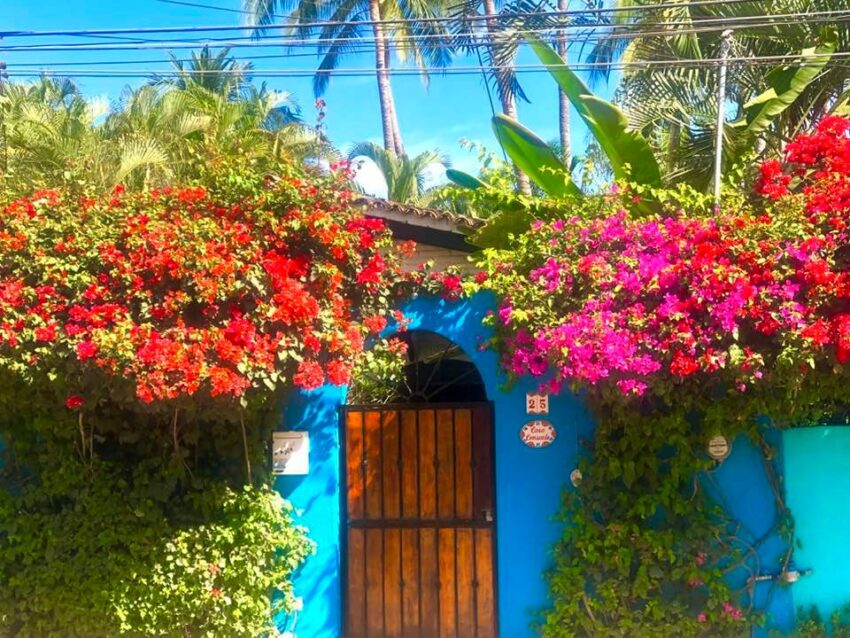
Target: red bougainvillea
[(640, 302), (187, 291)]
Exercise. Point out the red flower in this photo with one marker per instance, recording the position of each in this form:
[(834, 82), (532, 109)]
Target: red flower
[(309, 375), (371, 274), (841, 326), (46, 333), (339, 372), (375, 324), (683, 365), (86, 350), (74, 402)]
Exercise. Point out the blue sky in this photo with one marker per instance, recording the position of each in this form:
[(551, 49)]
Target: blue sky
[(436, 117)]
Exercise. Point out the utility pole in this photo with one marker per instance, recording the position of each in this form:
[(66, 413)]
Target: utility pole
[(725, 44)]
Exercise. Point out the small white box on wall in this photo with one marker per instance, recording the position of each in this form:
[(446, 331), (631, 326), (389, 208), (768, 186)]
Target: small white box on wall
[(291, 453)]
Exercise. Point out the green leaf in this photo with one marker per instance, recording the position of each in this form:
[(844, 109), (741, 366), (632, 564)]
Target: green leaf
[(786, 84), (496, 232), (463, 179), (534, 157), (629, 153)]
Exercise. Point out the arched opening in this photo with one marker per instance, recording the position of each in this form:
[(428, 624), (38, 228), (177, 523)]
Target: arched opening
[(433, 369)]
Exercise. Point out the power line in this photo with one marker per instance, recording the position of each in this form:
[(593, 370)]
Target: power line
[(721, 25), (795, 59), (388, 22)]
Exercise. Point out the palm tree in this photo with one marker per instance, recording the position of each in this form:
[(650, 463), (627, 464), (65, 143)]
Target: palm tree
[(163, 131), (675, 106), (405, 176), (425, 43), (47, 130)]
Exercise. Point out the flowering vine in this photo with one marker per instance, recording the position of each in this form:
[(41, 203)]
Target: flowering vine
[(191, 292)]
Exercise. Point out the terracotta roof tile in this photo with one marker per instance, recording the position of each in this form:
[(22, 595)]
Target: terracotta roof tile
[(375, 206)]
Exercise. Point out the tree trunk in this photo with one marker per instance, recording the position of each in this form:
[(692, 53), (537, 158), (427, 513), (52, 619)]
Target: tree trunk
[(673, 146), (563, 100), (399, 145), (506, 96), (389, 120)]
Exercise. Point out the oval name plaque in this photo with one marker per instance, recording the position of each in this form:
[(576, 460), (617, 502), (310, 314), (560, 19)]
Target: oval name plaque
[(537, 433)]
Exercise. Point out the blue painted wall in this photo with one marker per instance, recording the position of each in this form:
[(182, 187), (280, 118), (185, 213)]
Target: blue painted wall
[(315, 499), (529, 483), (741, 485)]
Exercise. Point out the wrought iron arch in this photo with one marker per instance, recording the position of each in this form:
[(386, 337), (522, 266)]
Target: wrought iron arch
[(437, 370)]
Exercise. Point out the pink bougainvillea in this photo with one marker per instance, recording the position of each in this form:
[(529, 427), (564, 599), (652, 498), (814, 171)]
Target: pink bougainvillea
[(635, 301)]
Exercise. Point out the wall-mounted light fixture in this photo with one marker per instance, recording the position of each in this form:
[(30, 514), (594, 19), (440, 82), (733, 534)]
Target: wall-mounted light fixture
[(718, 447)]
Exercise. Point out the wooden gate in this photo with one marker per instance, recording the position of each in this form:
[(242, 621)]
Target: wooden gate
[(420, 540)]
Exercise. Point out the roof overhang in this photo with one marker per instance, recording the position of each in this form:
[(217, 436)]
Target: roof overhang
[(428, 226)]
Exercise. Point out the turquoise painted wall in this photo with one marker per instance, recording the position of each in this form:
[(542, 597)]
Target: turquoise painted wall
[(817, 485)]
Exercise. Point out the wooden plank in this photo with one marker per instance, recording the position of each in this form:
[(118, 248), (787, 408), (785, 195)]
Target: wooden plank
[(356, 617), (410, 590), (373, 488), (430, 583), (485, 602), (391, 478), (392, 583), (448, 588), (354, 463), (445, 464), (427, 465), (463, 464), (482, 462), (465, 583), (409, 465), (374, 583)]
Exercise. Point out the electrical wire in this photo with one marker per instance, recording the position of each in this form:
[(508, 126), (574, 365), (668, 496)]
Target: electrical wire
[(771, 21), (389, 21), (789, 59)]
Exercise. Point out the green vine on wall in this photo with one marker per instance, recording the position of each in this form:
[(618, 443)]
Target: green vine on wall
[(678, 322)]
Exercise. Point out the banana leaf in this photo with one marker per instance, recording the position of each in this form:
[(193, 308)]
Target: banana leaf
[(786, 83), (629, 153), (534, 157), (462, 179), (497, 231)]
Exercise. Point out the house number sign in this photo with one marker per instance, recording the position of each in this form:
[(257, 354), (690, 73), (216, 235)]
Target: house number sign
[(536, 403), (537, 433)]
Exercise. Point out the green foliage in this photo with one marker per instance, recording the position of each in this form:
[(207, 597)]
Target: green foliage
[(91, 551), (405, 176), (138, 526), (378, 373), (51, 135), (810, 624), (462, 179)]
